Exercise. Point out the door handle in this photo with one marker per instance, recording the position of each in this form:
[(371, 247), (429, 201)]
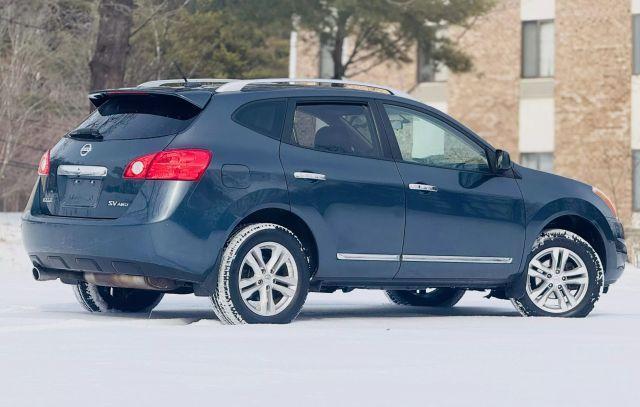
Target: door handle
[(423, 187), (309, 175)]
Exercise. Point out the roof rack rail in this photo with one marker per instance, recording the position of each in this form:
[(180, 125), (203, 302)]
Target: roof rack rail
[(174, 82), (238, 85)]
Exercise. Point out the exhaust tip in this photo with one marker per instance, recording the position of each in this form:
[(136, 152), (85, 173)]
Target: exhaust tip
[(43, 275)]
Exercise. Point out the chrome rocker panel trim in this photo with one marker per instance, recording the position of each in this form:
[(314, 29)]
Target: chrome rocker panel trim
[(425, 258)]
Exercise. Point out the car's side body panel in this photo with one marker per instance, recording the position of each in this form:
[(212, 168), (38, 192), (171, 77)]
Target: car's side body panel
[(470, 227), (356, 211), (177, 229)]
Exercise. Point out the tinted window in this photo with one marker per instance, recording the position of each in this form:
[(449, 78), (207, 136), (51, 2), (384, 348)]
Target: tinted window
[(265, 117), (424, 140), (141, 116), (336, 128), (538, 49)]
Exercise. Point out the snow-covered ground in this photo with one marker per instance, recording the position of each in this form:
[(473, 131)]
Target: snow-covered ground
[(351, 349)]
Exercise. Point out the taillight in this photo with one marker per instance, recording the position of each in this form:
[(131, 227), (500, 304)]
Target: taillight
[(178, 165), (45, 163)]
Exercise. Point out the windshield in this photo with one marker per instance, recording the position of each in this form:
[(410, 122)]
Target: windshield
[(140, 116)]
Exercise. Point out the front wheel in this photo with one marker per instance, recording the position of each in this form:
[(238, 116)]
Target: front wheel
[(563, 277), (263, 277), (96, 298), (430, 297)]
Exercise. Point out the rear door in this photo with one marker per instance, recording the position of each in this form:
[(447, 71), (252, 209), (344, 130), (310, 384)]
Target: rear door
[(87, 165), (464, 222), (344, 184)]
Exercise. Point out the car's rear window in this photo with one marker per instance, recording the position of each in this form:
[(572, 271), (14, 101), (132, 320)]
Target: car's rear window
[(141, 116)]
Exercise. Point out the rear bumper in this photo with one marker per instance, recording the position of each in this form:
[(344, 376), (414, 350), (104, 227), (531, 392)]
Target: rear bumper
[(161, 249)]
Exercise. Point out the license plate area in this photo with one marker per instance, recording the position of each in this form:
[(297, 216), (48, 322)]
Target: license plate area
[(81, 192)]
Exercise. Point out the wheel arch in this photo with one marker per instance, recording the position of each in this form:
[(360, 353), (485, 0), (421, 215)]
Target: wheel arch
[(577, 216), (583, 228), (292, 222), (271, 214)]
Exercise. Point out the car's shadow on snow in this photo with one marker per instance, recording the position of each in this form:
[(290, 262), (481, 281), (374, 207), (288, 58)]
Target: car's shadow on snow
[(308, 313), (392, 311)]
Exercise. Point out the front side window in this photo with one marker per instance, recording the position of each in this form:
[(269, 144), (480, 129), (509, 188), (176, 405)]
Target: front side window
[(425, 140), (336, 128), (538, 49)]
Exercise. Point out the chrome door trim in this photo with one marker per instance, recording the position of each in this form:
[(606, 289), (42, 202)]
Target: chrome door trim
[(309, 175), (423, 187), (371, 257), (82, 170), (457, 259)]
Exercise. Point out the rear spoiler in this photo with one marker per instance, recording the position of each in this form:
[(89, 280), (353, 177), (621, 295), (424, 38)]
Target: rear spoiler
[(198, 98)]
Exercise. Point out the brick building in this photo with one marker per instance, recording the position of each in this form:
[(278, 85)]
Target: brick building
[(555, 82)]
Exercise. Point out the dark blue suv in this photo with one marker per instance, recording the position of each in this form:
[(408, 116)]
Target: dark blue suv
[(256, 192)]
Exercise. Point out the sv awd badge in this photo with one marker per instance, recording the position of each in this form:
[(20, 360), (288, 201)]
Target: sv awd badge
[(119, 204)]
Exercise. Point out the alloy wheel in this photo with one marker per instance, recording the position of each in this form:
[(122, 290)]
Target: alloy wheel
[(268, 278), (557, 280)]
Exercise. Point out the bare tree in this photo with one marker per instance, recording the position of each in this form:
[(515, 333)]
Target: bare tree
[(19, 76), (109, 59)]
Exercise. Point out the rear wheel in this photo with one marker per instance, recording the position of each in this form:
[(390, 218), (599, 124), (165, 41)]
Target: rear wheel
[(563, 278), (263, 276), (96, 298), (430, 297)]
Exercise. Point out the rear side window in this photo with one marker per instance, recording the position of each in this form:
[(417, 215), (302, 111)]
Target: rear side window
[(141, 116), (264, 116), (336, 128)]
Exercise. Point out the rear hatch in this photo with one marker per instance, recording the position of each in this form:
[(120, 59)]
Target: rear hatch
[(86, 167)]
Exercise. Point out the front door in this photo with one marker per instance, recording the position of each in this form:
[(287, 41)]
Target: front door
[(463, 221), (344, 184)]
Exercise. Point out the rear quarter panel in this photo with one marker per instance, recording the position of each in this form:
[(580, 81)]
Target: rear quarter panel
[(253, 176)]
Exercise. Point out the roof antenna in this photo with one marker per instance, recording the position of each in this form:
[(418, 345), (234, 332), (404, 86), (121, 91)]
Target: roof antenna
[(187, 84)]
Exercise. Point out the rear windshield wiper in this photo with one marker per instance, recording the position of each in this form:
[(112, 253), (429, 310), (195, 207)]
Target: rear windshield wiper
[(86, 133)]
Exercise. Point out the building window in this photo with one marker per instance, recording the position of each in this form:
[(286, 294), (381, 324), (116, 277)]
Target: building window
[(326, 68), (429, 71), (636, 44), (538, 49), (537, 161), (636, 180)]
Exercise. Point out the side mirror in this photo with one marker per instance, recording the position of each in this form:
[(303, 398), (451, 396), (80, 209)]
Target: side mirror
[(503, 161)]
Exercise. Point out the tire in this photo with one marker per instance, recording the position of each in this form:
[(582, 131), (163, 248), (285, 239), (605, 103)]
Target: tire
[(245, 261), (114, 299), (558, 258), (437, 297)]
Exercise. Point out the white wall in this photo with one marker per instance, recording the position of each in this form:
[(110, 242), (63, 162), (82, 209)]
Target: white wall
[(537, 9), (537, 125), (433, 94), (635, 6), (293, 54)]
